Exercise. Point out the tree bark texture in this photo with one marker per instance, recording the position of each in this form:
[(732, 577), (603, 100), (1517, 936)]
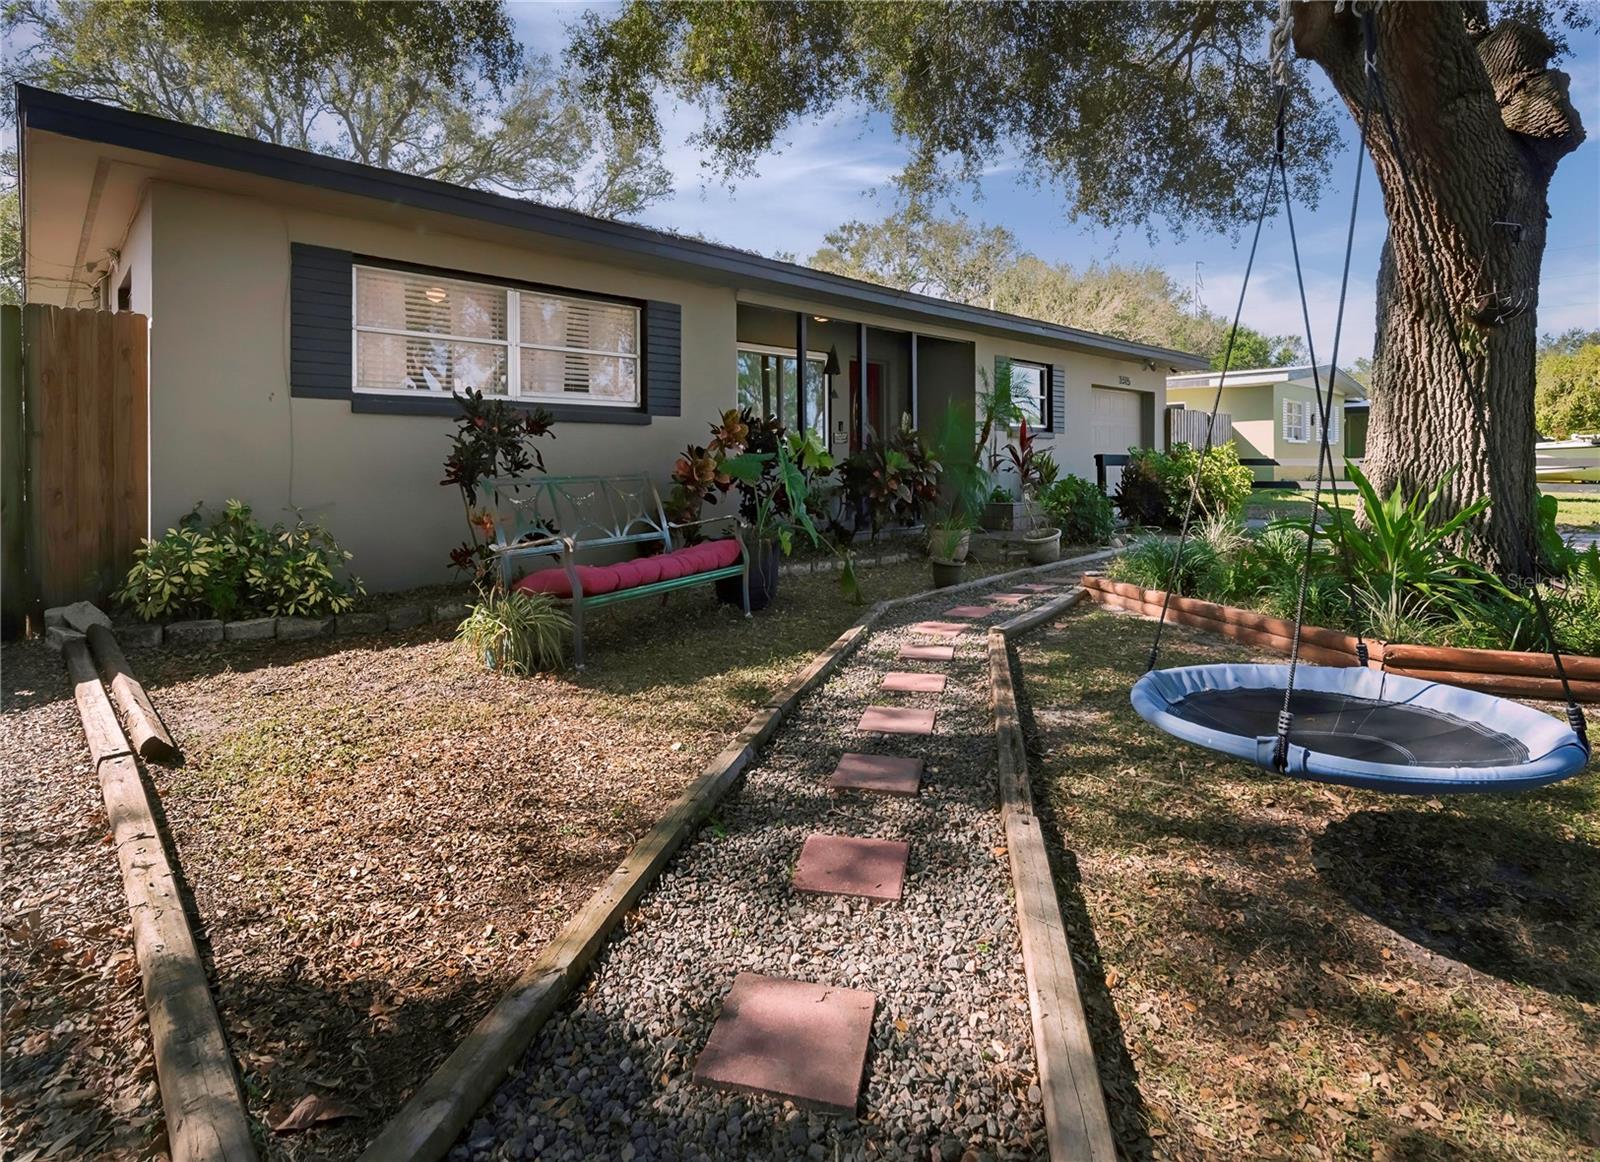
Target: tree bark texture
[(1481, 122)]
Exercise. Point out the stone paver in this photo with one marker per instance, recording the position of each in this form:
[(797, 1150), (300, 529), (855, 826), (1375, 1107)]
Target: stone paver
[(896, 720), (941, 628), (915, 653), (805, 1042), (971, 611), (1040, 586), (842, 865), (1010, 598), (906, 682), (885, 773)]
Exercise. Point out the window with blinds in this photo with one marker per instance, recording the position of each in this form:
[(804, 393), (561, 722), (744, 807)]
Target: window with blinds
[(421, 333), (1295, 421)]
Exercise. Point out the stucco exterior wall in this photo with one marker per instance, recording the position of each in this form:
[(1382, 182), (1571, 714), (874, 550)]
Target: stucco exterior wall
[(1257, 411), (1299, 461), (223, 423), (1072, 444), (134, 262)]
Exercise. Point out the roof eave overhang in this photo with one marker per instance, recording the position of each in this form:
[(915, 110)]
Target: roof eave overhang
[(44, 111)]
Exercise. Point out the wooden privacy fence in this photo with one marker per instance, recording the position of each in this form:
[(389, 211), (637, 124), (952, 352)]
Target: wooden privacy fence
[(1188, 426), (76, 467)]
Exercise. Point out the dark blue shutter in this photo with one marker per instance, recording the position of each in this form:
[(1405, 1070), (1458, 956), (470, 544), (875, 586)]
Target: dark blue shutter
[(1058, 398), (320, 318), (663, 359)]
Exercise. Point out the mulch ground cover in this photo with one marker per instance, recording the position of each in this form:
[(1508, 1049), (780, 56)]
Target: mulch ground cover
[(1282, 969), (376, 834)]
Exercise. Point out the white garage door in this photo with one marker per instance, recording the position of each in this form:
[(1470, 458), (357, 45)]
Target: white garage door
[(1117, 425)]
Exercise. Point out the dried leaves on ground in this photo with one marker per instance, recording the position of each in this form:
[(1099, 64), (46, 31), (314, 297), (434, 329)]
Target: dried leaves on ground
[(1277, 968), (377, 835)]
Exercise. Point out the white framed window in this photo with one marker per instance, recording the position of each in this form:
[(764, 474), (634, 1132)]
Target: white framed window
[(427, 334), (767, 386), (1296, 421), (1030, 391)]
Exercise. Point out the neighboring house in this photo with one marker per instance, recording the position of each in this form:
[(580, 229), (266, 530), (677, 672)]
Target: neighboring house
[(1274, 413), (310, 318)]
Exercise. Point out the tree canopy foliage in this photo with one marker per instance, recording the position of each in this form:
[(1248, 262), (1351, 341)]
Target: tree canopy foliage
[(1072, 92), (440, 90), (1567, 377), (952, 257)]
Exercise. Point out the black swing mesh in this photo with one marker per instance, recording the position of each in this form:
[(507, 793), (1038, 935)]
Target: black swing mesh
[(1349, 727)]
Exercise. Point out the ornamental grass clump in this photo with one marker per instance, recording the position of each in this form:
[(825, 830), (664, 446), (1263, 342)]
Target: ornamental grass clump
[(516, 633)]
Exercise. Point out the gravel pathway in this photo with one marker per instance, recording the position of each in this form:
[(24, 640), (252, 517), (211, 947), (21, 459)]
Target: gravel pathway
[(950, 1071)]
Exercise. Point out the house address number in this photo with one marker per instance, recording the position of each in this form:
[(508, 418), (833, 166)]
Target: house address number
[(1124, 381)]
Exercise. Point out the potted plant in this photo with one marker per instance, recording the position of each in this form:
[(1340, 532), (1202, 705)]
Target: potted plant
[(1002, 512), (946, 573), (1033, 469), (773, 496)]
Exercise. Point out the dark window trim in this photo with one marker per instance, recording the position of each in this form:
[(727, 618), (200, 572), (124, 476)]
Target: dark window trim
[(423, 404), (1047, 404)]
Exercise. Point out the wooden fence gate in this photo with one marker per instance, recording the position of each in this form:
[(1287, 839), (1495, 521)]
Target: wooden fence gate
[(1188, 426), (76, 453)]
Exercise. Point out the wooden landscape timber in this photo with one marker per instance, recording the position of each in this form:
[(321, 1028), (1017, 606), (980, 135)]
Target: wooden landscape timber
[(200, 1094), (1076, 1120), (433, 1118), (149, 734), (1507, 673)]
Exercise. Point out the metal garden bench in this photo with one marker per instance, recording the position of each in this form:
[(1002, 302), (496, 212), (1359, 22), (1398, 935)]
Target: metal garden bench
[(563, 516)]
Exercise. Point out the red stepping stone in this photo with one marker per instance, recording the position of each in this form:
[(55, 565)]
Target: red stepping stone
[(928, 653), (838, 865), (971, 611), (1040, 586), (788, 1038), (940, 628), (889, 774), (896, 720), (906, 682), (1010, 598)]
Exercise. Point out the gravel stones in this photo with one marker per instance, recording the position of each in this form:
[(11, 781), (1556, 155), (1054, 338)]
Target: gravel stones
[(950, 1047)]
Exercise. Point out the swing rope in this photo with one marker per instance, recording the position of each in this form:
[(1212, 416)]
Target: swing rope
[(1216, 404)]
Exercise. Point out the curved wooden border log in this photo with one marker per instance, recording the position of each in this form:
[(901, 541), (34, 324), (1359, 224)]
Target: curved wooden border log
[(200, 1095), (1507, 673), (150, 735)]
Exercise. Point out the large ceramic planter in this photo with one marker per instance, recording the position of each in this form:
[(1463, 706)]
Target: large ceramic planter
[(764, 561), (1043, 545), (946, 573)]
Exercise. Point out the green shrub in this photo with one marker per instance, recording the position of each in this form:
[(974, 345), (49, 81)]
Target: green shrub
[(1224, 482), (1155, 486), (1148, 564), (1142, 492), (1079, 509), (516, 633), (233, 567)]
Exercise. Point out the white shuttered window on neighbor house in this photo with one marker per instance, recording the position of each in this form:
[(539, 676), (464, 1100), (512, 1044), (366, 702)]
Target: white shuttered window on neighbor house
[(1302, 424), (421, 333)]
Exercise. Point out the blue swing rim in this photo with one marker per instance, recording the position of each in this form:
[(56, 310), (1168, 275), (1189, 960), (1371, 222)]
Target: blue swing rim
[(1554, 749)]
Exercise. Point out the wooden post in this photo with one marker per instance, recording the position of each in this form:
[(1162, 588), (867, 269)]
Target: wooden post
[(802, 346), (861, 381), (149, 734), (205, 1114), (17, 576)]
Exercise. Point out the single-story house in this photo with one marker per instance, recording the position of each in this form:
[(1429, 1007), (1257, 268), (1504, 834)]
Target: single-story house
[(310, 318), (1274, 414)]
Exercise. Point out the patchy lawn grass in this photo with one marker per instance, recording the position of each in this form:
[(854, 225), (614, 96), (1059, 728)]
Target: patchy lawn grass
[(377, 834), (1285, 969), (1576, 510), (1276, 505)]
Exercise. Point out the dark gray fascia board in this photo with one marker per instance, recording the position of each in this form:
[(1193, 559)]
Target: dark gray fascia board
[(75, 117)]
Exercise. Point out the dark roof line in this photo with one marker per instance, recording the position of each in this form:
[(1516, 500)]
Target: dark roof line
[(76, 117)]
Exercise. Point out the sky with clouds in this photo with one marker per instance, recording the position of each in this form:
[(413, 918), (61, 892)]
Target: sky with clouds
[(828, 172)]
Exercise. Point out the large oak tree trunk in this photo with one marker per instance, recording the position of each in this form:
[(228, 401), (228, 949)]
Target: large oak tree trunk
[(1482, 122)]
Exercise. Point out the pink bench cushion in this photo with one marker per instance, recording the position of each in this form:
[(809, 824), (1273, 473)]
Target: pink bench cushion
[(597, 579)]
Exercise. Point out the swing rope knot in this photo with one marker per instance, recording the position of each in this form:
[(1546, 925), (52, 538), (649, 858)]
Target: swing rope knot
[(1280, 752)]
